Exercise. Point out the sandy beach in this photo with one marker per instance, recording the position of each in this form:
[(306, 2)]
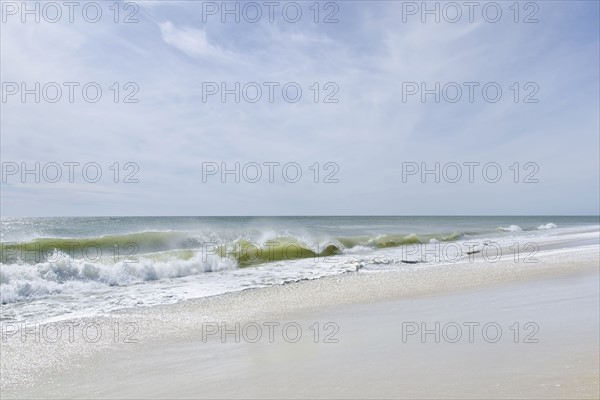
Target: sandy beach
[(472, 330), (299, 200)]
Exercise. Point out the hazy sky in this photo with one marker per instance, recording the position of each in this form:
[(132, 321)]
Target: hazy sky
[(370, 61)]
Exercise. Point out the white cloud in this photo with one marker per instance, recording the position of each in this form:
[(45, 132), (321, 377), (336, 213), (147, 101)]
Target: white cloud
[(368, 133), (193, 42)]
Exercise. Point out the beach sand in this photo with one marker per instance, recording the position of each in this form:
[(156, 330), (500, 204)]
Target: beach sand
[(364, 348)]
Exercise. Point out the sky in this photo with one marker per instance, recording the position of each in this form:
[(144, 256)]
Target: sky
[(361, 147)]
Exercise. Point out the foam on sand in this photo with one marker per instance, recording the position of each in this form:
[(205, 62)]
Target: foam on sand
[(169, 335)]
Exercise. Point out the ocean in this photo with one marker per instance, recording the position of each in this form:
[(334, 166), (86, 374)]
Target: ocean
[(59, 268)]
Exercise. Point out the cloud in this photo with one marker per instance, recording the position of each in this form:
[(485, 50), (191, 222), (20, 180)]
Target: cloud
[(191, 41), (369, 133)]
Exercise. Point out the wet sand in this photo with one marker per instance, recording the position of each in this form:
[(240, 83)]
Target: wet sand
[(366, 347)]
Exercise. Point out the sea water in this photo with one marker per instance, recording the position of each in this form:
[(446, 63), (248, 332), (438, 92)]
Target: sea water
[(57, 268)]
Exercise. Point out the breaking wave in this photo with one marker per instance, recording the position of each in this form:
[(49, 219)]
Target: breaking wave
[(46, 266)]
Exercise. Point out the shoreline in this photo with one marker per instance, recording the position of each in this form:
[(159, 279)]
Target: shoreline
[(179, 326)]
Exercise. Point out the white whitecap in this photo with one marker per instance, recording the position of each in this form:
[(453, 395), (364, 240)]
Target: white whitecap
[(512, 228)]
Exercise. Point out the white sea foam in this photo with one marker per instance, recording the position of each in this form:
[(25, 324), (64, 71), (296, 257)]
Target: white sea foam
[(183, 271), (67, 275), (512, 228)]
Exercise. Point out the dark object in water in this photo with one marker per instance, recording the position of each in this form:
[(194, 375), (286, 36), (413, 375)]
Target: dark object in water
[(411, 261), (484, 244)]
